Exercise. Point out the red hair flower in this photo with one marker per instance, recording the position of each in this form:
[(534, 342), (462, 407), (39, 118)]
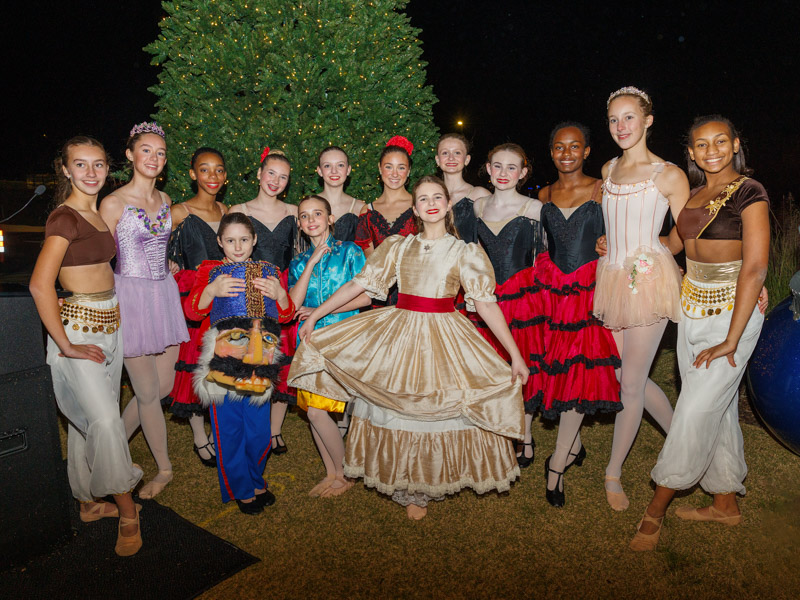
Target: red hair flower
[(265, 153), (401, 142)]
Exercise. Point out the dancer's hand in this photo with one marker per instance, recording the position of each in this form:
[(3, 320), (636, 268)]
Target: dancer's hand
[(519, 370), (303, 313), (307, 329), (726, 348), (226, 286), (763, 300), (317, 255), (601, 246), (84, 352), (173, 267)]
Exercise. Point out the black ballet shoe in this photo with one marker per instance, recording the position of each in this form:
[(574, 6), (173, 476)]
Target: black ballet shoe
[(526, 461), (278, 448), (554, 497), (579, 458), (209, 462), (250, 508), (266, 498)]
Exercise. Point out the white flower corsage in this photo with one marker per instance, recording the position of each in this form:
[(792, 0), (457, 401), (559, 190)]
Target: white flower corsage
[(642, 266)]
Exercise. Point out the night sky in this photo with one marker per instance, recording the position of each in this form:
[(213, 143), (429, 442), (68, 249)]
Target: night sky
[(509, 69)]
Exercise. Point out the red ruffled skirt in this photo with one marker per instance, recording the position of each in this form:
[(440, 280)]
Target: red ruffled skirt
[(182, 400), (514, 297), (288, 346), (577, 355)]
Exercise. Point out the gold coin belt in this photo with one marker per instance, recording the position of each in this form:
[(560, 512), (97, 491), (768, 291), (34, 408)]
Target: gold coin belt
[(103, 320), (699, 303)]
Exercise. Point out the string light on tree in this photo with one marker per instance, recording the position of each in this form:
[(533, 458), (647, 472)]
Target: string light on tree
[(296, 77)]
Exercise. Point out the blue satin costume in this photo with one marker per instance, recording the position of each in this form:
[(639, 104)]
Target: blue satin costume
[(337, 267)]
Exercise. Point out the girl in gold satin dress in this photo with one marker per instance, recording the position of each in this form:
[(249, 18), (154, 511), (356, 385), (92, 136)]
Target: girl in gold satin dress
[(435, 407)]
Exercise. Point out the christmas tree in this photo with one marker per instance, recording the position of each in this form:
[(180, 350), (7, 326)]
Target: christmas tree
[(239, 75)]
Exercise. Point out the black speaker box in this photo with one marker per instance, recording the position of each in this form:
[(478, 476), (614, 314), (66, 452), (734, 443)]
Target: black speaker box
[(34, 491)]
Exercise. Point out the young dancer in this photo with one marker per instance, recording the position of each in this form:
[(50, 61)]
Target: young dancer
[(334, 168), (275, 224), (314, 276), (391, 212), (435, 405), (150, 309), (509, 230), (452, 157), (84, 347), (193, 240), (576, 365), (725, 227), (637, 281), (240, 359)]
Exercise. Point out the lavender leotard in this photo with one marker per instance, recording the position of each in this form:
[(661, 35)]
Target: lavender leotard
[(150, 308)]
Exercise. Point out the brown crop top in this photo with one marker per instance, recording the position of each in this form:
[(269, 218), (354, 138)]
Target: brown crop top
[(721, 219), (87, 245)]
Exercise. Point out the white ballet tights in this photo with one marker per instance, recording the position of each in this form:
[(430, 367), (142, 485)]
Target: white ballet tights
[(198, 425), (568, 441), (277, 415), (328, 440), (152, 377), (637, 347)]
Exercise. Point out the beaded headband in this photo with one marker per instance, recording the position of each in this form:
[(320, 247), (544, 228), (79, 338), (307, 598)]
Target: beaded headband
[(629, 90), (401, 142), (147, 127)]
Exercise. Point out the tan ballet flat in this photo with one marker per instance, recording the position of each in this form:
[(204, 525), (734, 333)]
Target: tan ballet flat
[(689, 513), (153, 488), (332, 491), (323, 485), (128, 545), (98, 512), (617, 500), (415, 512), (643, 542)]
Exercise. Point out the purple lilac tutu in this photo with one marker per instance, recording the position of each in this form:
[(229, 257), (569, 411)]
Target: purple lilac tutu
[(150, 314)]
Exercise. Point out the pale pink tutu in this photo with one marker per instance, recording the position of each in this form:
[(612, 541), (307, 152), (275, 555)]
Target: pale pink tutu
[(643, 290)]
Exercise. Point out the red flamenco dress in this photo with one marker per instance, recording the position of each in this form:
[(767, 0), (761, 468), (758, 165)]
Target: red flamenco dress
[(577, 359), (373, 228), (512, 247)]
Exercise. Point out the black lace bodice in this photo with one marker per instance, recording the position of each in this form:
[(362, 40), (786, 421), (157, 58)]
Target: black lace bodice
[(192, 242), (276, 246), (571, 242), (345, 228), (465, 220), (514, 248)]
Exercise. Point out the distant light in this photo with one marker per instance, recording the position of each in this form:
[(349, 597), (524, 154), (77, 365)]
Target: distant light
[(459, 123)]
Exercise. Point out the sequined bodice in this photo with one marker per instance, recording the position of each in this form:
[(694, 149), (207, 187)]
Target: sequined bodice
[(142, 243), (633, 214)]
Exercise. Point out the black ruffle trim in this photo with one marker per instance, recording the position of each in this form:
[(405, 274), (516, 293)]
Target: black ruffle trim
[(531, 289), (584, 407), (574, 326), (515, 323), (182, 410), (559, 368), (573, 289), (533, 403), (185, 367)]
